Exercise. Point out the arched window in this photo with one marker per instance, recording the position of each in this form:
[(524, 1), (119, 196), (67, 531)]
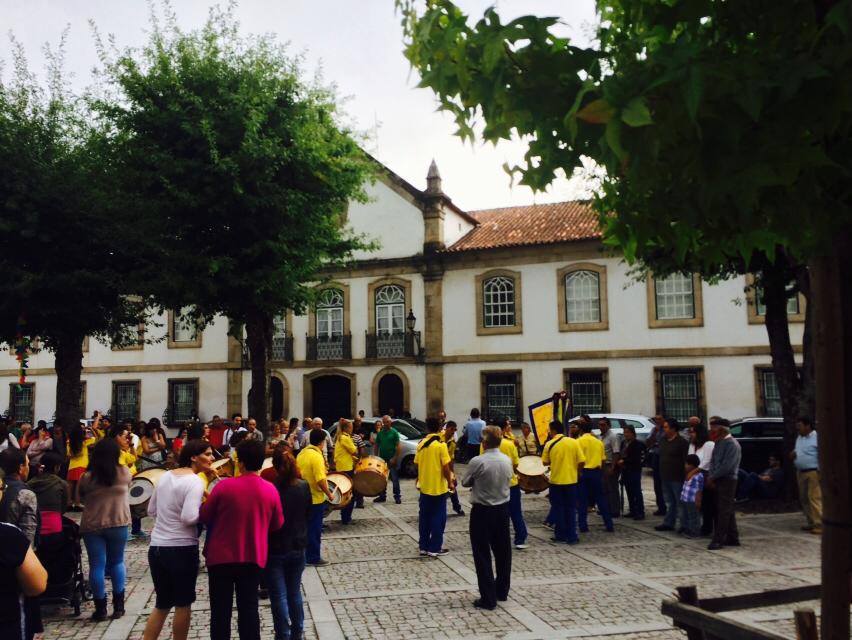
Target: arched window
[(582, 297), (498, 300), (390, 309), (330, 314)]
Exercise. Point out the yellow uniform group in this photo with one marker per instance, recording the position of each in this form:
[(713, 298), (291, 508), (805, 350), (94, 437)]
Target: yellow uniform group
[(565, 456), (432, 459)]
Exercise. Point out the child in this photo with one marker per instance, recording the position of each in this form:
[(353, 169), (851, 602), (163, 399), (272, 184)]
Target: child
[(690, 497)]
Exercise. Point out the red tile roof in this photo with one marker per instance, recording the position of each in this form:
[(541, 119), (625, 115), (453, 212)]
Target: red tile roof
[(530, 225)]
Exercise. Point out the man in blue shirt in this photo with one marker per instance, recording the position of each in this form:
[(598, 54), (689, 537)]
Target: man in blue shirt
[(473, 430), (806, 458)]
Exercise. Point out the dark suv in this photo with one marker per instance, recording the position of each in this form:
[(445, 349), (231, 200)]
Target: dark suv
[(759, 438)]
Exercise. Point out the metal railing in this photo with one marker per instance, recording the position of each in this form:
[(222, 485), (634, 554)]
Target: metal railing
[(329, 347), (391, 345)]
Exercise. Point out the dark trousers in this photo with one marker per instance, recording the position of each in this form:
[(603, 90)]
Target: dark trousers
[(433, 521), (592, 492), (658, 483), (472, 451), (517, 515), (224, 579), (393, 471), (563, 501), (610, 482), (346, 512), (454, 500), (726, 530), (708, 509), (312, 552), (489, 534), (632, 480)]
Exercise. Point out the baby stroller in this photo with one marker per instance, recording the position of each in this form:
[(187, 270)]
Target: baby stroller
[(62, 557)]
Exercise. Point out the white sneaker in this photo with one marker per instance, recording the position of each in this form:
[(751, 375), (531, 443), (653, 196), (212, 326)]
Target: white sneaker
[(424, 553), (521, 546)]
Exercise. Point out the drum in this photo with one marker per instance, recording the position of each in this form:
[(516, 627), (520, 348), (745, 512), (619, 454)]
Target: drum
[(213, 483), (142, 486), (532, 474), (223, 468), (340, 486), (267, 464), (371, 476)]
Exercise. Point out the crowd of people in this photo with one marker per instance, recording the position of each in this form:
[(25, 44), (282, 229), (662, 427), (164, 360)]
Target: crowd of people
[(261, 546)]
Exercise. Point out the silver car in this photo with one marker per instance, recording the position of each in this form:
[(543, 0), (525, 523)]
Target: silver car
[(409, 438), (642, 424)]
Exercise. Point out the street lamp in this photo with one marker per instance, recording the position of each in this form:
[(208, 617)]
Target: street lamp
[(410, 320)]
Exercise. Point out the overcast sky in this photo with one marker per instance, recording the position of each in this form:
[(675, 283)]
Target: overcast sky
[(359, 43)]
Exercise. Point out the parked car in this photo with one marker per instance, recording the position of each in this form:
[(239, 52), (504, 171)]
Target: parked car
[(409, 437), (759, 438), (642, 424)]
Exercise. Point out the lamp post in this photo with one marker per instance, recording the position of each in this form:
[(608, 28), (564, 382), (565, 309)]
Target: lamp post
[(412, 336)]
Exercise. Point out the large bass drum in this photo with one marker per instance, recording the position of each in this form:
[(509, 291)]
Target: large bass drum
[(141, 489), (371, 476), (532, 475)]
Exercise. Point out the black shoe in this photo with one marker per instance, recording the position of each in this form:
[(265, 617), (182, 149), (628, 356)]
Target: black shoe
[(263, 594), (503, 599), (638, 517), (319, 563), (117, 605), (460, 512), (714, 546), (732, 543), (397, 499), (380, 499), (681, 531), (100, 613), (360, 505), (479, 604), (663, 527), (659, 512)]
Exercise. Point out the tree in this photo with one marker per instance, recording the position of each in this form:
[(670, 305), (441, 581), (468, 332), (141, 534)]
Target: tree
[(61, 242), (723, 129), (247, 170)]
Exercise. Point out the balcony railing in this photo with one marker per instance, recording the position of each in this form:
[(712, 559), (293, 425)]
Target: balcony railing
[(391, 345), (329, 347), (282, 349)]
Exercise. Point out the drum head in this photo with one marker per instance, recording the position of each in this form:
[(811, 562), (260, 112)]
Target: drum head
[(221, 467), (141, 490), (531, 466), (370, 483), (267, 463)]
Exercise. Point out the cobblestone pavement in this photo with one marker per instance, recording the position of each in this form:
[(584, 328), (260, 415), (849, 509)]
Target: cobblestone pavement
[(609, 586)]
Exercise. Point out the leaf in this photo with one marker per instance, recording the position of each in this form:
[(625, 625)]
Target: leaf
[(636, 113), (597, 112), (694, 89), (613, 138)]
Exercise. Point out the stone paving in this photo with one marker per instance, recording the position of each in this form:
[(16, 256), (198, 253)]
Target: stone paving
[(610, 585)]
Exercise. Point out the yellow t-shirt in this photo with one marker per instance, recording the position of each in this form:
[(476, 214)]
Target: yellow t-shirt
[(128, 459), (430, 461), (593, 450), (344, 453), (236, 463), (204, 479), (82, 458), (564, 456), (451, 445), (311, 465), (508, 447)]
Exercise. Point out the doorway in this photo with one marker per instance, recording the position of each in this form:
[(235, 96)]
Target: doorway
[(276, 398), (331, 398), (391, 395)]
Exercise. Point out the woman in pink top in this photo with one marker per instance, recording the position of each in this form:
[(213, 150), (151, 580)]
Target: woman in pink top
[(239, 515)]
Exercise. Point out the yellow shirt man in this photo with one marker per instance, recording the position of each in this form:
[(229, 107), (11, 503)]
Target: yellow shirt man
[(510, 450), (593, 450), (564, 456), (344, 453), (451, 444), (311, 465), (430, 459)]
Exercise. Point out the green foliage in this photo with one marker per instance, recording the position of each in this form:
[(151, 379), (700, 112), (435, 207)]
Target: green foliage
[(723, 127), (238, 170)]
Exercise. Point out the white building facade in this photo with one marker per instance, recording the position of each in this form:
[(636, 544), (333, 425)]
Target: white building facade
[(494, 309)]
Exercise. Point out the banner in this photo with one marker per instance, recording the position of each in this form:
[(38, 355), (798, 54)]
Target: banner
[(542, 414)]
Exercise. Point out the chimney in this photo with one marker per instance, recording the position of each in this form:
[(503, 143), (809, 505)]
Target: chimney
[(433, 180)]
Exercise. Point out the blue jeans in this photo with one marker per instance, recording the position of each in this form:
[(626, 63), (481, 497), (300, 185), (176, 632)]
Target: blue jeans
[(592, 492), (633, 485), (284, 577), (433, 520), (517, 515), (312, 553), (563, 498), (690, 518), (105, 548), (394, 476), (671, 493)]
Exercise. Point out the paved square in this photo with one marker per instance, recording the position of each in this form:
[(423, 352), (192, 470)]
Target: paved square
[(608, 586)]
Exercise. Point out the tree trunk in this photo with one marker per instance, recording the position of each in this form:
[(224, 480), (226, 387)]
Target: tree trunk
[(831, 282), (259, 341), (68, 363), (774, 283)]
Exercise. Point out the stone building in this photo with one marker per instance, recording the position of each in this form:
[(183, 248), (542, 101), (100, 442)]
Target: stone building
[(496, 308)]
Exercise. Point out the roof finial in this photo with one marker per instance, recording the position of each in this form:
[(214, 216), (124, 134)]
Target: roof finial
[(433, 179)]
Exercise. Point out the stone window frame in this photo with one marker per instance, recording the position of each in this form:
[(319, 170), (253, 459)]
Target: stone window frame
[(372, 288), (759, 396), (751, 304), (138, 384), (139, 345), (698, 370), (288, 332), (603, 372), (312, 312), (182, 344), (481, 279), (519, 390), (171, 382), (697, 301), (406, 387), (12, 389), (561, 299)]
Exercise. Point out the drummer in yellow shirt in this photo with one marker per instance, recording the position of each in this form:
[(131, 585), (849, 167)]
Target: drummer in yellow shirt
[(565, 458), (311, 463), (345, 457), (591, 479), (448, 437), (434, 478)]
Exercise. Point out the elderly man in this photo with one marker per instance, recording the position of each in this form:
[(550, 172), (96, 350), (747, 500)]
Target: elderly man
[(488, 476), (253, 433), (722, 477), (612, 450), (526, 442), (388, 448), (327, 447)]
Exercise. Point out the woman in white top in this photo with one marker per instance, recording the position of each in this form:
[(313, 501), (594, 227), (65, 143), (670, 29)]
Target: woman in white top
[(173, 555), (702, 446)]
